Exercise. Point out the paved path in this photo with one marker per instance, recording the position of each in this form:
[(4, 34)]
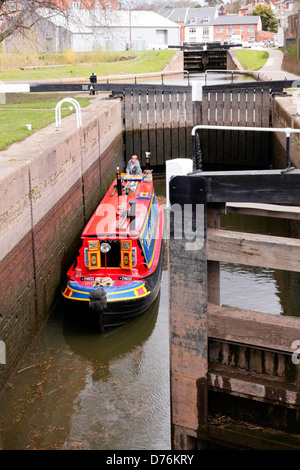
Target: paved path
[(272, 68)]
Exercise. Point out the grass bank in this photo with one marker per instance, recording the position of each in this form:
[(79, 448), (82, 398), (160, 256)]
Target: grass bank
[(252, 60), (34, 109), (55, 66)]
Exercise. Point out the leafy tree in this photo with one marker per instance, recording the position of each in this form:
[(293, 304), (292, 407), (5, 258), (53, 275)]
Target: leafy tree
[(269, 22)]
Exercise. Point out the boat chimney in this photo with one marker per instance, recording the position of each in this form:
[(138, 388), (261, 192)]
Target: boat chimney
[(147, 160), (147, 172), (119, 184)]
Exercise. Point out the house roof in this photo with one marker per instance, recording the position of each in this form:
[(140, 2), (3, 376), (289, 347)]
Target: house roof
[(236, 20), (184, 15), (85, 21), (200, 14)]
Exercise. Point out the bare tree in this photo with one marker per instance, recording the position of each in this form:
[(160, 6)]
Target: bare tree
[(21, 15)]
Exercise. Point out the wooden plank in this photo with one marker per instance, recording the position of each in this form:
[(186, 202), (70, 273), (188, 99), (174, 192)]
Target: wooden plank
[(136, 123), (188, 325), (212, 141), (220, 134), (227, 108), (128, 125), (243, 107), (181, 125), (253, 249), (144, 126), (257, 137), (159, 129), (167, 126), (253, 329), (213, 109), (258, 107), (205, 108), (174, 125), (243, 123), (235, 122), (264, 186), (113, 87), (220, 108), (269, 85), (152, 126), (265, 210), (227, 122), (254, 386), (238, 436), (250, 122), (265, 108), (189, 109), (204, 140)]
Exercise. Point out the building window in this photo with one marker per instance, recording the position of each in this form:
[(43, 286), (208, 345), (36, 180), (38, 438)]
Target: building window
[(192, 30), (206, 31), (219, 30), (251, 29), (229, 30), (205, 20), (76, 5), (242, 29), (193, 20)]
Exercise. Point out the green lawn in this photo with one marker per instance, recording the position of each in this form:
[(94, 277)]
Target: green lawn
[(139, 62), (252, 60), (31, 110), (38, 108)]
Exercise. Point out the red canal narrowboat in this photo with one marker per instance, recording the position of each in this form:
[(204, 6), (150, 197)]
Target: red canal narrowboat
[(116, 275)]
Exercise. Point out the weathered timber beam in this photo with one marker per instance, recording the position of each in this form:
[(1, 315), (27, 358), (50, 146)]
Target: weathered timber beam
[(265, 210), (271, 85), (260, 387), (260, 186), (251, 328), (115, 87), (244, 437), (253, 249)]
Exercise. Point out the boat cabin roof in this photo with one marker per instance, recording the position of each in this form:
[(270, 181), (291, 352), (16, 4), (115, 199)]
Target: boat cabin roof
[(112, 216)]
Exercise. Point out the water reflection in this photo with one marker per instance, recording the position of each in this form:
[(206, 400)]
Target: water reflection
[(101, 350), (77, 389), (211, 78), (255, 288)]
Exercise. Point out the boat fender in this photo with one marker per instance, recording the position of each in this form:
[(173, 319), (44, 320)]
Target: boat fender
[(97, 304)]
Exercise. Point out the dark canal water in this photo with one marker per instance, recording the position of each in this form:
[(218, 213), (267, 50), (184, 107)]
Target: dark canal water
[(80, 390)]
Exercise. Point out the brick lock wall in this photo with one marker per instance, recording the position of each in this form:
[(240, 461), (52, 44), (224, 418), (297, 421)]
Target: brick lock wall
[(41, 215)]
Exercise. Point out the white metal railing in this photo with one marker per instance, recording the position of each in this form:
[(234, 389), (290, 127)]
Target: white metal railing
[(58, 111)]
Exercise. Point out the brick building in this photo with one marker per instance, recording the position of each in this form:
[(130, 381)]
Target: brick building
[(243, 28)]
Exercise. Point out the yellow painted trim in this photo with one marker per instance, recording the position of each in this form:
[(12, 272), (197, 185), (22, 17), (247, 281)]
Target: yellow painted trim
[(147, 217), (156, 238)]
